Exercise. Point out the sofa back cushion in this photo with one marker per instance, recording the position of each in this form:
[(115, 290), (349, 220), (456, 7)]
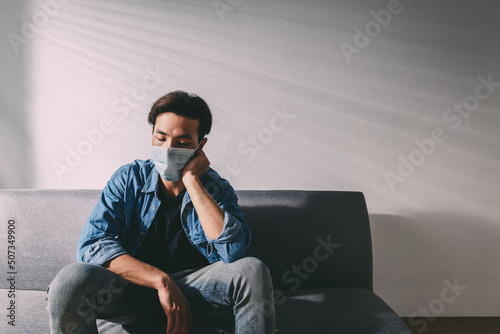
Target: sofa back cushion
[(310, 238), (48, 224)]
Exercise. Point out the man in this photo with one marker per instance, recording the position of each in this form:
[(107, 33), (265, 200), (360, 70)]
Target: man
[(166, 240)]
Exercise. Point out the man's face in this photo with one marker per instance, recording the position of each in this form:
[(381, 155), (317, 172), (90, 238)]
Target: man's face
[(172, 130)]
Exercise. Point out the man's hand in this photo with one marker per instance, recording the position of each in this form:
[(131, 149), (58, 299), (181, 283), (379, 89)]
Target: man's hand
[(176, 307), (197, 166), (173, 302)]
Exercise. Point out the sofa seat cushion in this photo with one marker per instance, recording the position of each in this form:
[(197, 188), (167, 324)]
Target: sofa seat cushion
[(336, 310)]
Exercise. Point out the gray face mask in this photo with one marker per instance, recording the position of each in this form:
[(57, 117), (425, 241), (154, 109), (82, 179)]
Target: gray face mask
[(170, 161)]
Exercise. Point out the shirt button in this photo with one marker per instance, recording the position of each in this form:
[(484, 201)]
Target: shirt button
[(141, 233), (154, 208)]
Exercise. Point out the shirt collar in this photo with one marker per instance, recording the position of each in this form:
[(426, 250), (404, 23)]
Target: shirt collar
[(152, 181)]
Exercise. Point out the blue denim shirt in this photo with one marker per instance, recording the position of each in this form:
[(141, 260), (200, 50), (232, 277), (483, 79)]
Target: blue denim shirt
[(128, 205)]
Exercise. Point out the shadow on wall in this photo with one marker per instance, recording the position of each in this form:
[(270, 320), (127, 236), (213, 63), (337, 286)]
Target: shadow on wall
[(414, 255)]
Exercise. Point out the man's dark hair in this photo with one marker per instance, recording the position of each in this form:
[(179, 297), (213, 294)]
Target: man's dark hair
[(183, 104)]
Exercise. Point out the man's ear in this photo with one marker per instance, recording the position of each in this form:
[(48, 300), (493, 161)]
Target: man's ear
[(152, 130), (202, 143)]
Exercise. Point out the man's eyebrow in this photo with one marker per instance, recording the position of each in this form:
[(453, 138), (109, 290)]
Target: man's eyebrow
[(185, 135)]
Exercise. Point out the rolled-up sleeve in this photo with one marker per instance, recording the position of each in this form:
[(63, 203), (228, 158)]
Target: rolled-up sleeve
[(98, 241), (234, 240)]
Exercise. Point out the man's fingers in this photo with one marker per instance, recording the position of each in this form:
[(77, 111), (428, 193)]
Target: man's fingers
[(177, 322), (176, 309), (170, 322), (185, 319), (183, 322)]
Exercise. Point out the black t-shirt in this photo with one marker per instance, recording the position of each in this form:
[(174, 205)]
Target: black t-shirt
[(166, 245)]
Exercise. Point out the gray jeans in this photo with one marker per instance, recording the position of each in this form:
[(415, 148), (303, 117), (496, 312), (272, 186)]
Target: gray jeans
[(240, 291)]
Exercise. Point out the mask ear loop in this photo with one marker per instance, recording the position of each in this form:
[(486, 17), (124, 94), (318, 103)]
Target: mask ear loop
[(197, 147)]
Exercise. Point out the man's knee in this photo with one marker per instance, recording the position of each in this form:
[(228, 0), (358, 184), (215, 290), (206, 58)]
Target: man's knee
[(72, 276), (253, 269), (69, 295), (257, 283), (71, 282)]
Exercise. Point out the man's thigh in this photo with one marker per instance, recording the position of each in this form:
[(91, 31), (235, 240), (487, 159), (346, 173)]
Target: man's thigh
[(206, 290), (211, 290)]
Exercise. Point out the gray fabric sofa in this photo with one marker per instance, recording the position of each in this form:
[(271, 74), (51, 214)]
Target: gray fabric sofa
[(317, 245)]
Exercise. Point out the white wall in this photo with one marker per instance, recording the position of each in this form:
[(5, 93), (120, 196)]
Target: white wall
[(349, 119)]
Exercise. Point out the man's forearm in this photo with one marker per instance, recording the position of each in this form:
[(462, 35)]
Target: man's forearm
[(210, 213), (138, 272)]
